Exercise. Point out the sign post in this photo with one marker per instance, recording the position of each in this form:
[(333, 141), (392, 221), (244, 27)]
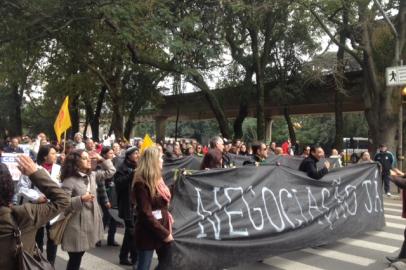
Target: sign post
[(396, 76)]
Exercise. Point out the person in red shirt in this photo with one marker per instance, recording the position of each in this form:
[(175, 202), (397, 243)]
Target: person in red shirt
[(286, 147)]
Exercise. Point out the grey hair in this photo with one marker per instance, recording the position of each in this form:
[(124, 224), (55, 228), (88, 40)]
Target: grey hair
[(214, 141)]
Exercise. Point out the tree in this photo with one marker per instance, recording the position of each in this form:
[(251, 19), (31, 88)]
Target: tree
[(176, 37), (18, 64), (372, 46), (266, 38)]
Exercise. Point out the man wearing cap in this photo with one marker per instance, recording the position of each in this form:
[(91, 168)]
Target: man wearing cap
[(227, 160), (385, 158), (123, 180)]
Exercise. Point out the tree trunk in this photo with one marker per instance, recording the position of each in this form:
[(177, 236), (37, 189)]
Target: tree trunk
[(176, 91), (259, 74), (15, 117), (85, 129), (260, 108), (89, 114), (242, 114), (292, 133), (117, 108), (214, 105), (129, 125), (382, 104), (75, 117), (95, 123), (339, 84), (339, 121), (243, 109), (110, 128)]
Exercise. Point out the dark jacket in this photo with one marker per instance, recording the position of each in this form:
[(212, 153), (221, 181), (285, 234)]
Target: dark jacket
[(227, 161), (309, 166), (386, 160), (149, 231), (29, 217), (122, 180), (253, 161)]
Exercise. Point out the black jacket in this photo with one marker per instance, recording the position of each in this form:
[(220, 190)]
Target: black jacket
[(309, 166), (254, 159), (386, 160), (123, 180)]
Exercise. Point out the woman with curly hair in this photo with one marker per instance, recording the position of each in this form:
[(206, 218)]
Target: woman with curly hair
[(153, 228), (85, 227)]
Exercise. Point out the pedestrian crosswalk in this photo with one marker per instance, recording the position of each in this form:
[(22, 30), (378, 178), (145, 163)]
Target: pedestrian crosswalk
[(366, 251), (340, 256), (368, 244)]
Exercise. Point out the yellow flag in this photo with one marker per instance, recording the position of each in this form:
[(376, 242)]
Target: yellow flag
[(62, 122), (146, 143)]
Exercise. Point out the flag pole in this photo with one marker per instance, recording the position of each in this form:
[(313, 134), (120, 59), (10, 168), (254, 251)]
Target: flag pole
[(64, 141)]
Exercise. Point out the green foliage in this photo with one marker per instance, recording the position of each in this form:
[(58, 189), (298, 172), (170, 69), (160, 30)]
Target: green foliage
[(314, 129), (320, 129)]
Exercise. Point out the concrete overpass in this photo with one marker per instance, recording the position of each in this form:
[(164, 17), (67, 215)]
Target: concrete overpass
[(312, 97)]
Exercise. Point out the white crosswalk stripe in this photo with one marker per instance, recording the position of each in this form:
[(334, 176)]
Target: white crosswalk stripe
[(395, 225), (392, 236), (392, 204), (286, 264), (340, 256), (394, 217), (368, 245), (393, 209)]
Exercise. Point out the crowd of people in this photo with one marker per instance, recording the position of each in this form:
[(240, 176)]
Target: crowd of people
[(84, 180)]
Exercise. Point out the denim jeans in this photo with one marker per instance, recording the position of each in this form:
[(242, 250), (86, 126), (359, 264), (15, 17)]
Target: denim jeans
[(144, 259)]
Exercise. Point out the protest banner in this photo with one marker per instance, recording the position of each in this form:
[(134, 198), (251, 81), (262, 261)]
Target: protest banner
[(258, 212), (10, 160), (293, 162), (172, 166)]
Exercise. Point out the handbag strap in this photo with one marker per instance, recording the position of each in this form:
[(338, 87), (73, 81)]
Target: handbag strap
[(17, 235)]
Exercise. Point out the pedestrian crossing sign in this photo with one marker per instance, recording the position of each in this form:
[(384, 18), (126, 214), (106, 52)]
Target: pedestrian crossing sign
[(396, 76)]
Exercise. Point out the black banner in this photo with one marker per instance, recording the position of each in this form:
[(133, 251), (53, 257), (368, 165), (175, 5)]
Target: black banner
[(172, 166), (293, 162), (226, 217), (238, 160)]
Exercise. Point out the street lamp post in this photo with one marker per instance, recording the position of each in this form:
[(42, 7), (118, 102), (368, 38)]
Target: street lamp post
[(397, 62)]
